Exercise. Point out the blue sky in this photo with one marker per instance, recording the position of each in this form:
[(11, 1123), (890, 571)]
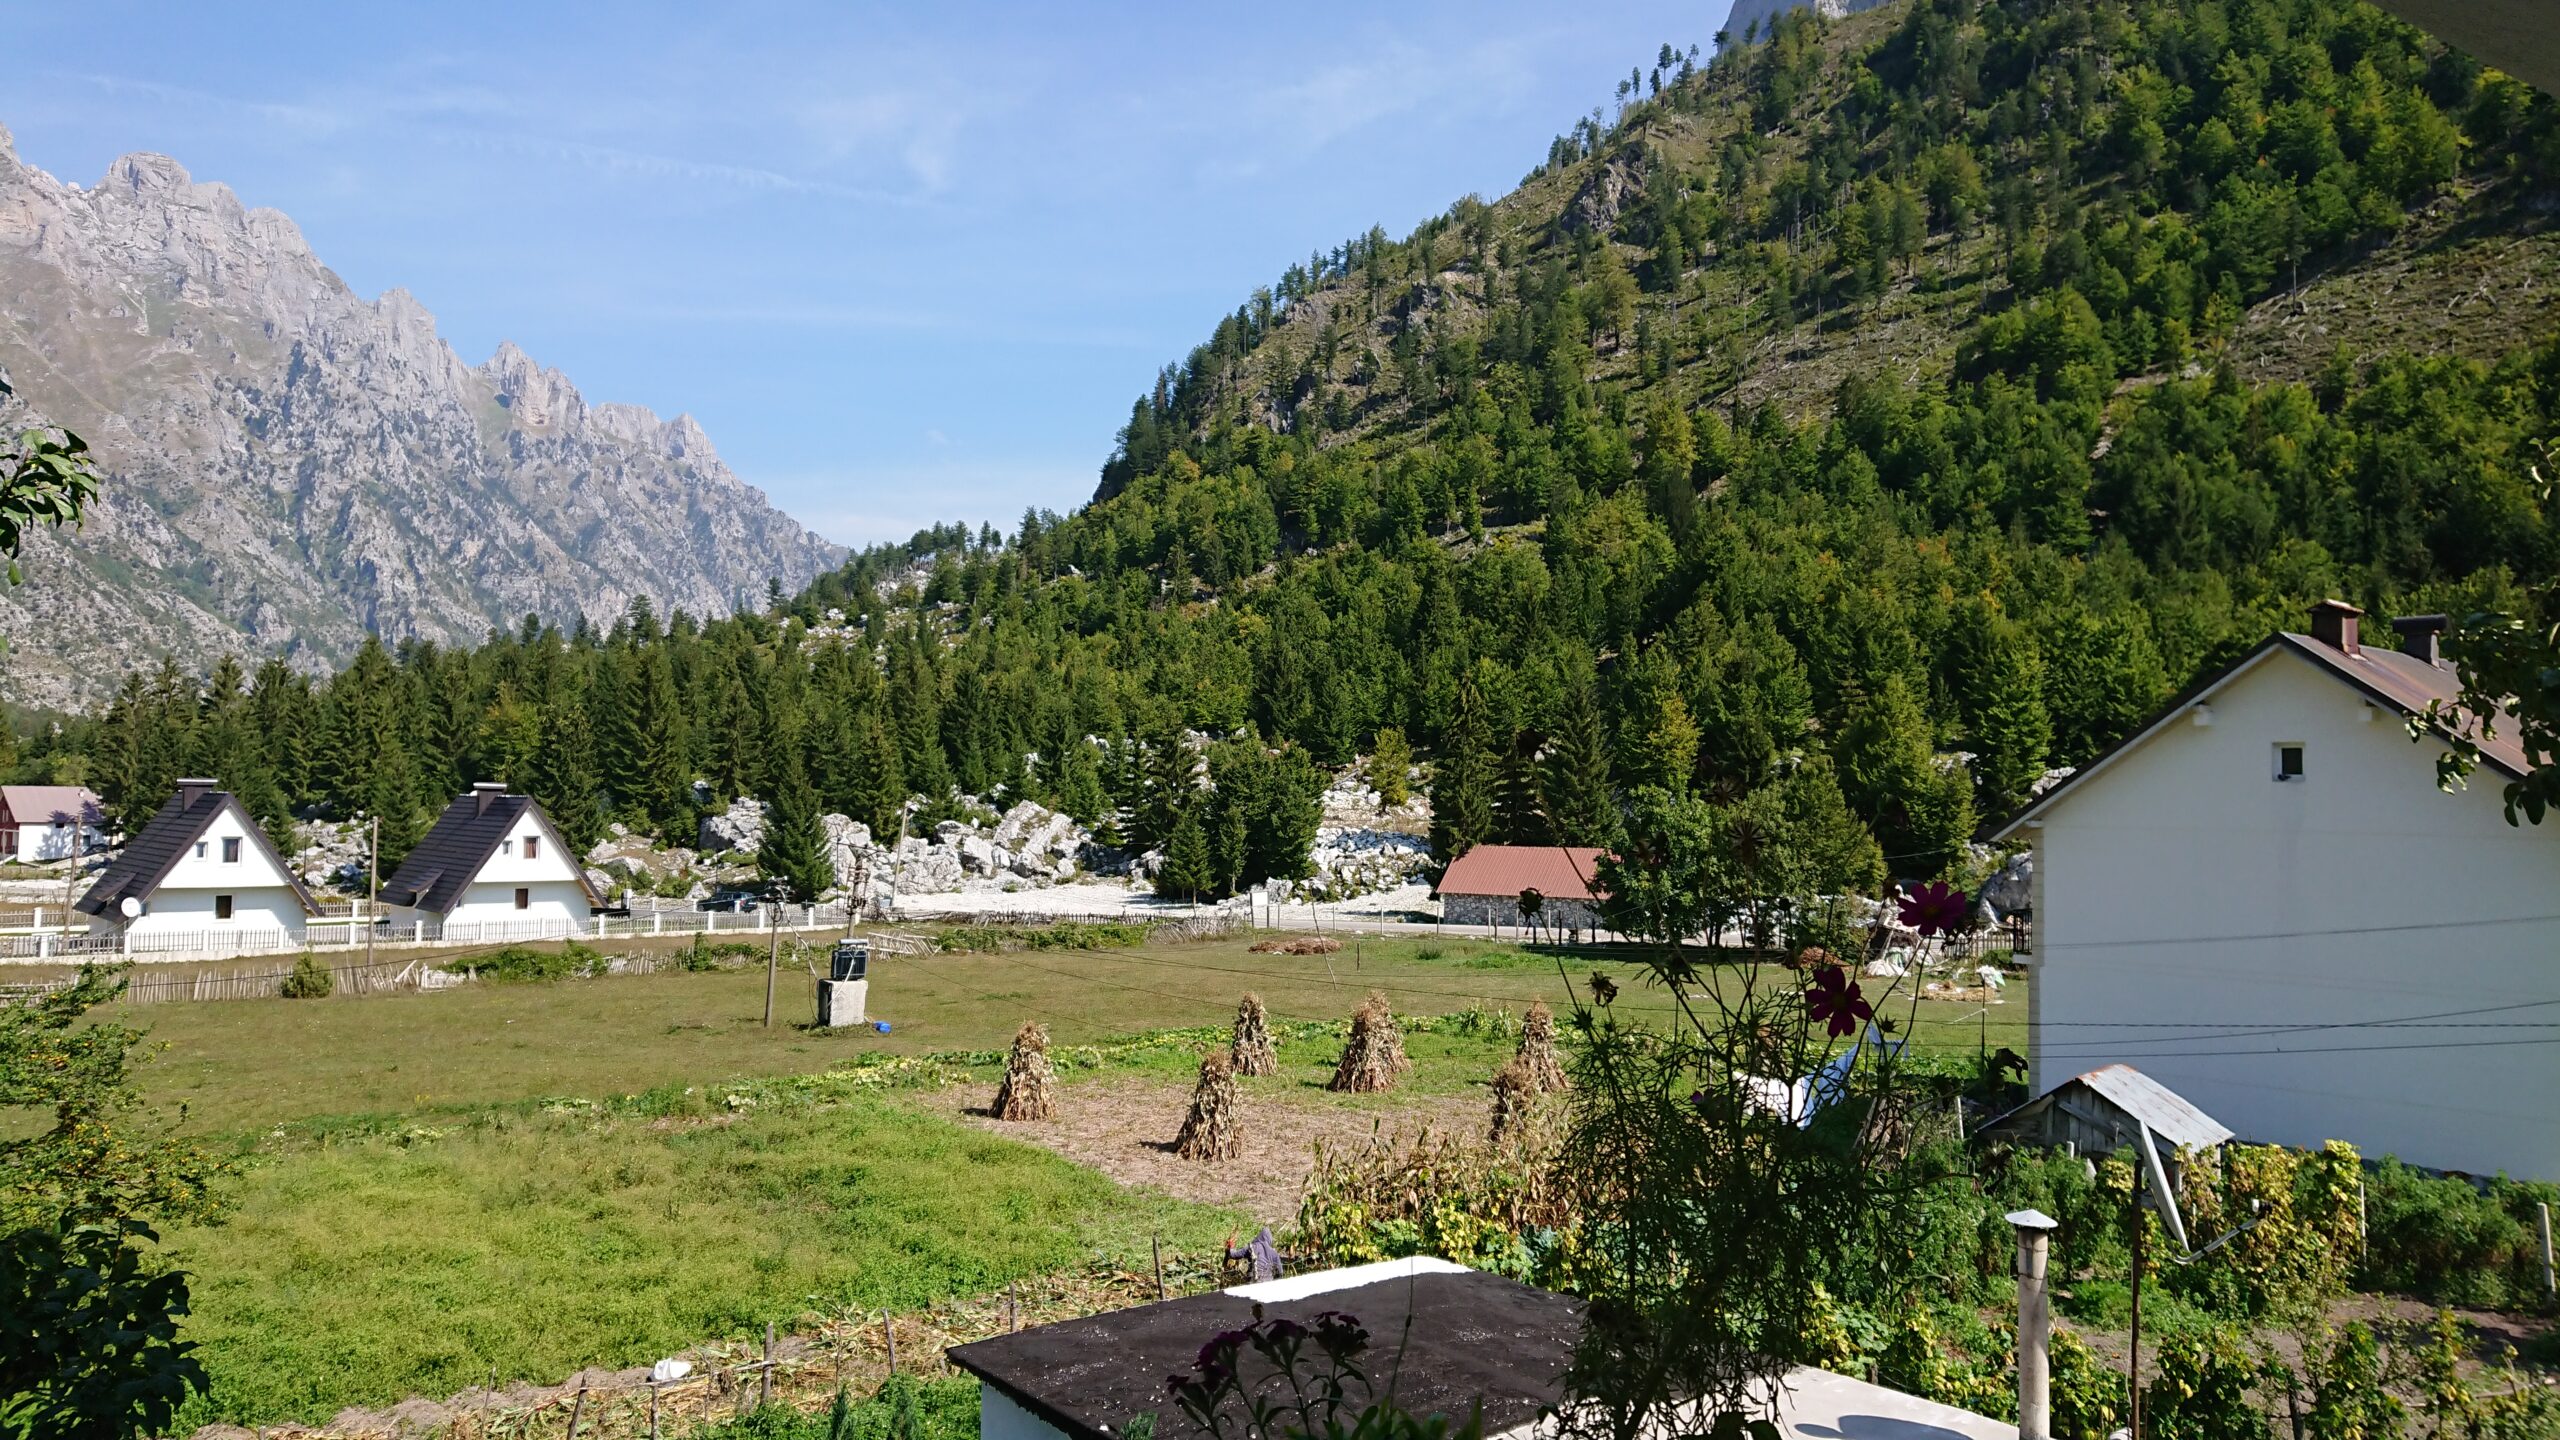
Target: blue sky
[(903, 264)]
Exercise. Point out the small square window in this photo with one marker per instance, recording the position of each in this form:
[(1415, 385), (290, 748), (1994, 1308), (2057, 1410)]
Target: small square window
[(200, 846), (2288, 761), (230, 849), (524, 898), (533, 847), (506, 847), (221, 907)]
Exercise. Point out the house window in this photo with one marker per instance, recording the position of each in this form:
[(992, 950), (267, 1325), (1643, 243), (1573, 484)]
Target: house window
[(506, 847), (230, 849), (200, 849), (533, 847), (221, 907), (2288, 765), (524, 898)]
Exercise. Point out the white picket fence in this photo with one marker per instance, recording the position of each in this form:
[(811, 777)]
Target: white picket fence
[(332, 933)]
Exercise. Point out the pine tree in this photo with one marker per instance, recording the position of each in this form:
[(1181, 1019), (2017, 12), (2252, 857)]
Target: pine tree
[(1390, 766), (1518, 815), (1189, 870), (1462, 780), (564, 776), (878, 796), (793, 853), (1573, 781)]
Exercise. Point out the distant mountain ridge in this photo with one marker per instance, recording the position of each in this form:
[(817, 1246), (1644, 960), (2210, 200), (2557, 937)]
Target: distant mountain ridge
[(289, 465)]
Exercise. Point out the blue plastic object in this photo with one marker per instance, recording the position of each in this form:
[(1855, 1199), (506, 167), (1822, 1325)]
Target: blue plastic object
[(880, 1025)]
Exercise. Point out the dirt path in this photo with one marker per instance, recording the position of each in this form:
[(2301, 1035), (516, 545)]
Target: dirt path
[(1125, 1129)]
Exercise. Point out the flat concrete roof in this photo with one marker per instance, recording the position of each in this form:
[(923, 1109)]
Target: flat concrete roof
[(1819, 1405)]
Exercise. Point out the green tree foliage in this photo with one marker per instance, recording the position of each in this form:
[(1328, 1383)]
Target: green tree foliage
[(45, 483), (1189, 871), (1390, 766), (88, 1315), (1462, 779), (792, 856)]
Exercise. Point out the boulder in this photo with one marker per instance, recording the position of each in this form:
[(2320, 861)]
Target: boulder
[(738, 829)]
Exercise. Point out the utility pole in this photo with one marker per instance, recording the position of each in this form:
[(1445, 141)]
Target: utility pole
[(772, 961), (372, 880)]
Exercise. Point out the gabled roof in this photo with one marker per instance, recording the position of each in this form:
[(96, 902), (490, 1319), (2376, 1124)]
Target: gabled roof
[(2402, 682), (41, 804), (445, 863), (2164, 1111), (1558, 872), (151, 855)]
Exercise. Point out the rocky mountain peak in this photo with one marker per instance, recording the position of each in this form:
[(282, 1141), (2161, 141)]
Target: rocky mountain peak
[(289, 465)]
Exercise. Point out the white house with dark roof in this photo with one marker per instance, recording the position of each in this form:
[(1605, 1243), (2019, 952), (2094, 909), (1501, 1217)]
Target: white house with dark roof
[(2262, 900), (494, 867), (49, 822), (201, 875)]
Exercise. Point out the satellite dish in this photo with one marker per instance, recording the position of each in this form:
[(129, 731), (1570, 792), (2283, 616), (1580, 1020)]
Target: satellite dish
[(131, 906)]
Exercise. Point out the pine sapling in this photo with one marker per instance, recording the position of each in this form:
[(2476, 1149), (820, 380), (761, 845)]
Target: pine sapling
[(1537, 1057), (1212, 1131), (1029, 1091), (1375, 1055), (1253, 1052)]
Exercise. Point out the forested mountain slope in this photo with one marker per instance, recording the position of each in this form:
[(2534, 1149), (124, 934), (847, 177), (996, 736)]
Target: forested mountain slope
[(1951, 379), (290, 467)]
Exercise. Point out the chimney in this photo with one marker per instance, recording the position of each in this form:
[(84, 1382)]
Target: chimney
[(192, 790), (2420, 636), (2035, 1326), (484, 791), (2333, 623)]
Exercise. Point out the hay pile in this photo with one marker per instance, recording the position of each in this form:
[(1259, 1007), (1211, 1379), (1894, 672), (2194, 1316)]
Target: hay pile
[(1375, 1056), (1537, 1056), (1253, 1052), (1029, 1091), (1515, 1098), (1212, 1131), (1303, 945)]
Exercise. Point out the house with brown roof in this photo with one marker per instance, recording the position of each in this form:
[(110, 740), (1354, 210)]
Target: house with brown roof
[(49, 822), (200, 876), (493, 867), (1484, 886), (2263, 901)]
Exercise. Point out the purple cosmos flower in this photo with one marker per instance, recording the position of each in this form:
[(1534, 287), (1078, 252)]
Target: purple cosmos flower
[(1834, 1000), (1936, 908)]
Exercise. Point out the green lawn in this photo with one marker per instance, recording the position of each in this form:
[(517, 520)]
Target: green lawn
[(538, 1177), (364, 1272)]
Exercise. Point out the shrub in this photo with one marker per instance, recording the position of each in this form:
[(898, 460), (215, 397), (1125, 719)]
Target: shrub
[(310, 979), (525, 965), (2348, 1401), (2447, 1241), (2202, 1389), (2089, 1397)]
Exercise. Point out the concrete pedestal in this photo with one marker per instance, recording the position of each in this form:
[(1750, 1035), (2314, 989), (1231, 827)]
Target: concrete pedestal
[(840, 1002)]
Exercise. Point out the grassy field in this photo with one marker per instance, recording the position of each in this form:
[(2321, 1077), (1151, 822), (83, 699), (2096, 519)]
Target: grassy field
[(533, 1178)]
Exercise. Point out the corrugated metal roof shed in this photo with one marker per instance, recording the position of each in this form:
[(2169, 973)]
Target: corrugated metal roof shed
[(2098, 1112)]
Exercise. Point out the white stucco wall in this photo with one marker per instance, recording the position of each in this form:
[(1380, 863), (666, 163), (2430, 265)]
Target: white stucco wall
[(557, 901), (559, 906), (2200, 921), (44, 840)]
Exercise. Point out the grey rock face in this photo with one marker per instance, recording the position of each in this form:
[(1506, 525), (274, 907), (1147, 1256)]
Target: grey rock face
[(288, 465)]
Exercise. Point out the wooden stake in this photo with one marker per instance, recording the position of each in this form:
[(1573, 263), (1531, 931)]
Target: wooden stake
[(764, 1375), (1012, 1305), (2133, 1349), (2550, 1282), (890, 1331), (1156, 1243), (653, 1410), (577, 1412)]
